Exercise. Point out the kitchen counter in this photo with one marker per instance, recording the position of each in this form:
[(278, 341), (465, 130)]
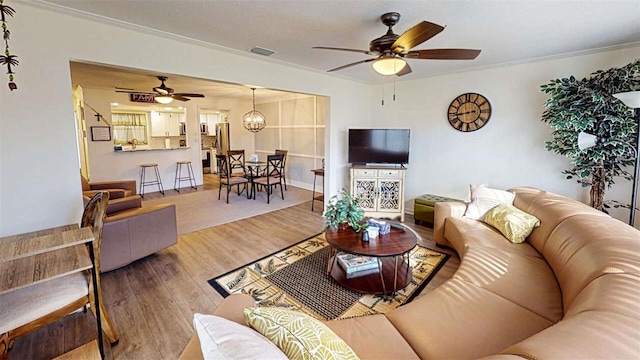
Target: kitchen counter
[(152, 149)]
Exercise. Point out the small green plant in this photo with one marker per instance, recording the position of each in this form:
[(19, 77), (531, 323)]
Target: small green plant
[(344, 208)]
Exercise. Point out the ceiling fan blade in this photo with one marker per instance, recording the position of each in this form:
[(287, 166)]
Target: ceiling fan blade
[(405, 70), (443, 54), (178, 97), (162, 91), (344, 49), (416, 36), (188, 95), (352, 64), (134, 92)]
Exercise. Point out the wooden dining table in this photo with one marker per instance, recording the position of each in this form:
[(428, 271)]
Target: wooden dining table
[(40, 256)]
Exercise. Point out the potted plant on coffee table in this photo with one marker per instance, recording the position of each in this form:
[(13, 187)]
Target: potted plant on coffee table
[(343, 211)]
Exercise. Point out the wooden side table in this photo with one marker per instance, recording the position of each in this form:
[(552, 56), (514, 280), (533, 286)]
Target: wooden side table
[(316, 173)]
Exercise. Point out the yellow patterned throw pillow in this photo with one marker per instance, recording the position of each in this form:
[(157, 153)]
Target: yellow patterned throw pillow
[(298, 335), (512, 222)]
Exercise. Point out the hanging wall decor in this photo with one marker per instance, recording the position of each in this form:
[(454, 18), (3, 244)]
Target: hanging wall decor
[(7, 58)]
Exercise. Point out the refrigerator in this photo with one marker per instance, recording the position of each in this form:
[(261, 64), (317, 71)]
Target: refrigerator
[(222, 138)]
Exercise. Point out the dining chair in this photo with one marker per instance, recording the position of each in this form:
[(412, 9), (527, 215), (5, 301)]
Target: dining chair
[(236, 162), (273, 177), (32, 307), (229, 179), (284, 166)]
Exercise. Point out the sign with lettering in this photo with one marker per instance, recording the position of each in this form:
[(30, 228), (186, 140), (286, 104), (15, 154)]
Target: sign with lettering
[(144, 98)]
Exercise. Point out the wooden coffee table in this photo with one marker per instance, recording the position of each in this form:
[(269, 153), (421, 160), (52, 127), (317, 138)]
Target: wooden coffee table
[(391, 251)]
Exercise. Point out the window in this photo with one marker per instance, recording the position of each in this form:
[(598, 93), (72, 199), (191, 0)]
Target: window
[(128, 127)]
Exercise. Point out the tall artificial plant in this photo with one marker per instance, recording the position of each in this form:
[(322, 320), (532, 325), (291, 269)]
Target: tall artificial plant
[(588, 105)]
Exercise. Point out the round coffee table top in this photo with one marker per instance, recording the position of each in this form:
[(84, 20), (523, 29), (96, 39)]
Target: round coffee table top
[(396, 242)]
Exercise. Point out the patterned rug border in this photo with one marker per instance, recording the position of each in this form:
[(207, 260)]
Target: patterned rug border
[(224, 293)]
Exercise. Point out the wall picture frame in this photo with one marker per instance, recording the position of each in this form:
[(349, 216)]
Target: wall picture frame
[(100, 133)]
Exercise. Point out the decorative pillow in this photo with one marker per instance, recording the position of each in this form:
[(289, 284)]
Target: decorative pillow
[(512, 222), (484, 199), (297, 334), (224, 339)]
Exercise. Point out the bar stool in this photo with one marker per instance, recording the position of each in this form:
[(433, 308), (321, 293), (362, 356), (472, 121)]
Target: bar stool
[(157, 181), (179, 178)]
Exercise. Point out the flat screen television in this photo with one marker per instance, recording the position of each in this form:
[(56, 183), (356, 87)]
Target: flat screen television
[(379, 146)]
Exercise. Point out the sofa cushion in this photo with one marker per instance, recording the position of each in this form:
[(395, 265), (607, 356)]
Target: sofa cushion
[(512, 222), (585, 247), (588, 335), (463, 233), (297, 334), (524, 280), (614, 293), (459, 320), (224, 339), (484, 199), (125, 203), (372, 337), (550, 208)]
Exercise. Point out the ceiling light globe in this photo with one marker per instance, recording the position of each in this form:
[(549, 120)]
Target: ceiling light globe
[(164, 99), (388, 65), (254, 121)]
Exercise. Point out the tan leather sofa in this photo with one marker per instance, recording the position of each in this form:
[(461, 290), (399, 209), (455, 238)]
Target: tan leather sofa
[(570, 292)]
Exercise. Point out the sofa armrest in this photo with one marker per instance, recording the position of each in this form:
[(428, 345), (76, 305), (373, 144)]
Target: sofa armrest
[(443, 210), (128, 185)]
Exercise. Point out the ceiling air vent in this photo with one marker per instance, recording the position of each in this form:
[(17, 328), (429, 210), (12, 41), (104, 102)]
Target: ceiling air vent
[(262, 51)]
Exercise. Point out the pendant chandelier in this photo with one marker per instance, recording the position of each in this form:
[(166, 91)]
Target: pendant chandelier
[(254, 121)]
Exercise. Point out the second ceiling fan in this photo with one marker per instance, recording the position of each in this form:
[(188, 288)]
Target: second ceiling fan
[(391, 49), (164, 94)]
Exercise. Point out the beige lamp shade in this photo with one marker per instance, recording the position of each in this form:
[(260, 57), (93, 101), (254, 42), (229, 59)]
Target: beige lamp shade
[(586, 140), (629, 98)]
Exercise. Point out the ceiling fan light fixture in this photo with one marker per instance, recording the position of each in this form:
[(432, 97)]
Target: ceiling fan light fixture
[(164, 99), (389, 65), (254, 120)]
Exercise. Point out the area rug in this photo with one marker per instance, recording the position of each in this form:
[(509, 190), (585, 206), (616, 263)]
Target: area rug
[(296, 278), (201, 209)]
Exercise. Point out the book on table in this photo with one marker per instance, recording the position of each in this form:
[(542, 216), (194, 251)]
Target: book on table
[(352, 263), (359, 273)]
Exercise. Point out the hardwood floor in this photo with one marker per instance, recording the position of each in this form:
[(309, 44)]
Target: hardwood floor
[(152, 301)]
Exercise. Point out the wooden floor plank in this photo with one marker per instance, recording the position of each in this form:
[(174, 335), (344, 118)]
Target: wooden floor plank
[(152, 301)]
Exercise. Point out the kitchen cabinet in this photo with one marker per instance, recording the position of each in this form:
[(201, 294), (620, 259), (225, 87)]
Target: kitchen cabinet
[(211, 119), (165, 124), (380, 190)]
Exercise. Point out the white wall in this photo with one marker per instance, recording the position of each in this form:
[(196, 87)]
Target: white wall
[(508, 151), (39, 182)]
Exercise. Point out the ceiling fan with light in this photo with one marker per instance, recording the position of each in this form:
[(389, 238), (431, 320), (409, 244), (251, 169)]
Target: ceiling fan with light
[(163, 94), (391, 50)]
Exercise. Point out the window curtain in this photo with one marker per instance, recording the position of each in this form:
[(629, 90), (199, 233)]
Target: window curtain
[(127, 126)]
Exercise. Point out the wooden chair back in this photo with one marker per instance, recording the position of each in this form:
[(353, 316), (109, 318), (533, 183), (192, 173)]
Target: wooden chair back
[(274, 165), (236, 160), (284, 160), (223, 166), (93, 216)]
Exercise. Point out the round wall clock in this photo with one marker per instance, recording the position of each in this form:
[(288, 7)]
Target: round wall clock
[(469, 112)]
